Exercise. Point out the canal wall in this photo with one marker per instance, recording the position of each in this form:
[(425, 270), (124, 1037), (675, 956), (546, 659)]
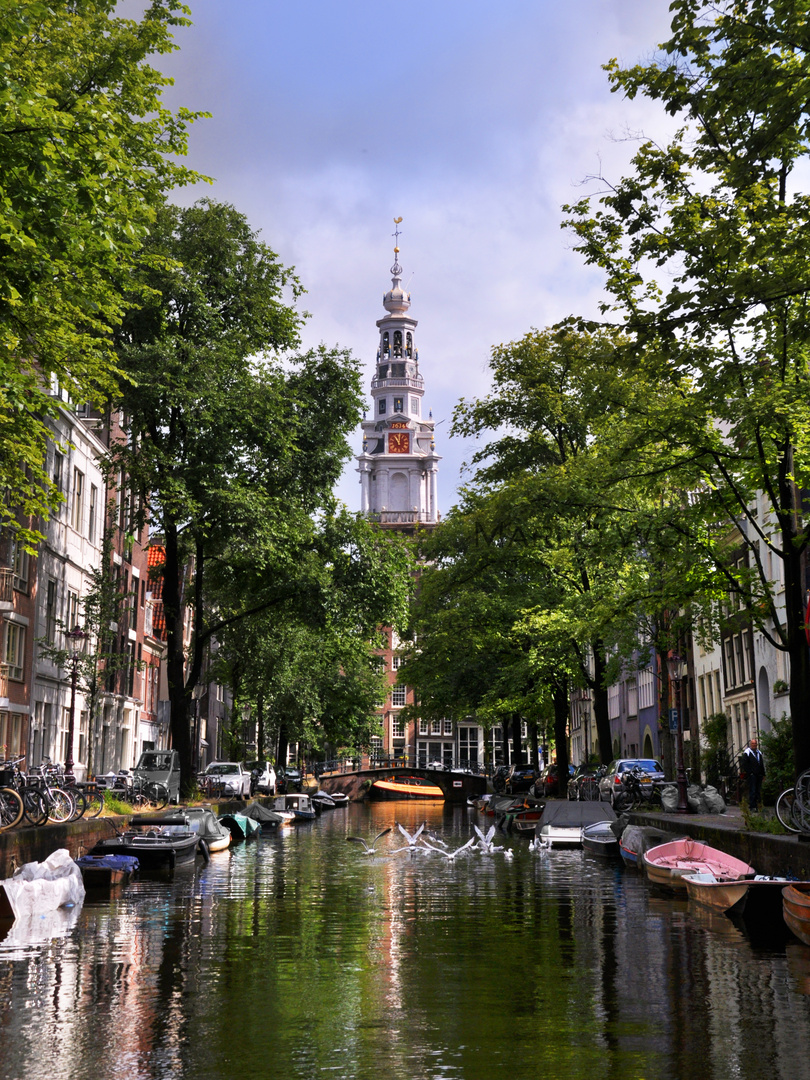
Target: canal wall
[(778, 856), (34, 844)]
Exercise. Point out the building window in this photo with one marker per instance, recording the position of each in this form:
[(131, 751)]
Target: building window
[(397, 726), (72, 611), (58, 461), (398, 404), (78, 497), (409, 343), (91, 514), (50, 613), (632, 698), (15, 651), (435, 727), (423, 727), (399, 694), (415, 406), (397, 343), (448, 727), (395, 662), (20, 568), (381, 406)]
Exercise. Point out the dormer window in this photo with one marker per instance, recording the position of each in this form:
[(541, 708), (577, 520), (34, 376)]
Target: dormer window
[(385, 347), (409, 344), (397, 343)]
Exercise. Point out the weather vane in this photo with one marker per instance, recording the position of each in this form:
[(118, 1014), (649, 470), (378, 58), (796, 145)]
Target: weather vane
[(396, 269)]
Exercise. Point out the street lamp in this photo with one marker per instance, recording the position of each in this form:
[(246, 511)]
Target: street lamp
[(675, 666), (75, 639)]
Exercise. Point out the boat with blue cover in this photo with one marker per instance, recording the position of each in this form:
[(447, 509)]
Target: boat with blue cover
[(105, 871)]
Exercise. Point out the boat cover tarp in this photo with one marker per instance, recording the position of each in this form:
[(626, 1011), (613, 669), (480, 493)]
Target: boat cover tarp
[(573, 815), (206, 825), (640, 838), (261, 814), (127, 863), (240, 826), (38, 887)]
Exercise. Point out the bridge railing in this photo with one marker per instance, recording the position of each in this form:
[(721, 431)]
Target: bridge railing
[(406, 761)]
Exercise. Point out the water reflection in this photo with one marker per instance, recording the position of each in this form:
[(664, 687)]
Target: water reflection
[(300, 956)]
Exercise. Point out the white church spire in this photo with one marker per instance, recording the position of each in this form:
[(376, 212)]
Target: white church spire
[(398, 464)]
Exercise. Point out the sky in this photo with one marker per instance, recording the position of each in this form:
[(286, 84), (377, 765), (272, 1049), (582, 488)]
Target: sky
[(475, 122)]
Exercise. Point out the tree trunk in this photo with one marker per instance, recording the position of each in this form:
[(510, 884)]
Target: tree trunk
[(535, 752), (600, 704), (561, 736), (260, 725), (179, 698)]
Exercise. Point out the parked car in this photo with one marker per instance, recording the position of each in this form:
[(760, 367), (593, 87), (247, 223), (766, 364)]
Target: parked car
[(288, 780), (161, 767), (228, 779), (575, 783), (520, 778), (611, 783), (547, 786), (263, 777)]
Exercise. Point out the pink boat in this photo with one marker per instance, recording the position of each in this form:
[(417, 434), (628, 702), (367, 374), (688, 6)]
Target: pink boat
[(667, 864)]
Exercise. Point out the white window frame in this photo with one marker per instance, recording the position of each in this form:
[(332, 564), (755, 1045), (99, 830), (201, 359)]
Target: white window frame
[(14, 652)]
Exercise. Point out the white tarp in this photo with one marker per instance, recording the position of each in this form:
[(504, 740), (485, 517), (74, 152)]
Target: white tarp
[(40, 887)]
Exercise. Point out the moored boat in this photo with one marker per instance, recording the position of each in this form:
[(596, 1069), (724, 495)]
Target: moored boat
[(562, 822), (636, 839), (721, 895), (600, 839), (299, 805), (204, 822), (268, 819), (321, 801), (405, 787), (106, 871), (668, 864), (796, 909), (339, 798), (157, 843)]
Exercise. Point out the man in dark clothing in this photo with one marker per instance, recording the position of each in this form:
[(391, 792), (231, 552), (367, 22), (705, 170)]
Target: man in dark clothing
[(753, 767)]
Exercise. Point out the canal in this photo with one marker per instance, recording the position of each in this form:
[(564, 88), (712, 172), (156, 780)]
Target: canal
[(299, 956)]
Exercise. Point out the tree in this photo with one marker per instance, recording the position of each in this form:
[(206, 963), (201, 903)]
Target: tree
[(88, 151), (719, 210), (233, 451)]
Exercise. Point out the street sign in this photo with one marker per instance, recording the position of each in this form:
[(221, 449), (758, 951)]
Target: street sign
[(673, 721)]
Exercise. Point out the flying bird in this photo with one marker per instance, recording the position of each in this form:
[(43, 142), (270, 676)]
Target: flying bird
[(412, 838), (485, 842), (370, 849), (450, 855)]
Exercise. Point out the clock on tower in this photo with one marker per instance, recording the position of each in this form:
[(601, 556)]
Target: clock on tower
[(398, 442)]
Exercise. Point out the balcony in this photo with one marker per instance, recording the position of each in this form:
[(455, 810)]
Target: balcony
[(397, 517), (6, 588), (416, 384)]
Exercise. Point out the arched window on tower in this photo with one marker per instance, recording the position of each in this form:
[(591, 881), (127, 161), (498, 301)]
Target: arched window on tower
[(385, 344), (397, 343), (409, 344)]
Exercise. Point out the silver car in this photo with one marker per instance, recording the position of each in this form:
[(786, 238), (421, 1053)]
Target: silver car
[(227, 779), (612, 783)]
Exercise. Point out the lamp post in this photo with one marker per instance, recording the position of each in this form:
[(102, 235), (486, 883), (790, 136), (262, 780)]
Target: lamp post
[(75, 639), (675, 665)]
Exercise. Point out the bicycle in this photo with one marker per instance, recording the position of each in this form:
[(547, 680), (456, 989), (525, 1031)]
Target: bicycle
[(11, 805), (785, 805), (140, 792), (35, 810), (60, 805), (67, 783)]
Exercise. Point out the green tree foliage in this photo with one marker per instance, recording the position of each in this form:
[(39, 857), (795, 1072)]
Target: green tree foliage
[(87, 152), (720, 213), (777, 749), (235, 443)]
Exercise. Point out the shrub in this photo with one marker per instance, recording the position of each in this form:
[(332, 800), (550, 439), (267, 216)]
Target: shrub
[(715, 760), (777, 749)]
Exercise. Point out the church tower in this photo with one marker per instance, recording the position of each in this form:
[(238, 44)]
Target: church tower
[(398, 464)]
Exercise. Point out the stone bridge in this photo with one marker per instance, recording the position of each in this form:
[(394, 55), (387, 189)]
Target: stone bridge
[(457, 786)]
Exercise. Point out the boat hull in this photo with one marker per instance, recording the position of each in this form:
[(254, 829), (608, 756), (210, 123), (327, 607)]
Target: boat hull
[(406, 787), (668, 864), (599, 839), (796, 910), (561, 836), (723, 897)]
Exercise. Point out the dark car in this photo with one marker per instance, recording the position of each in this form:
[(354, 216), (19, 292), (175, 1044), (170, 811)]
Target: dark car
[(611, 783), (288, 781), (582, 783), (547, 786), (520, 778)]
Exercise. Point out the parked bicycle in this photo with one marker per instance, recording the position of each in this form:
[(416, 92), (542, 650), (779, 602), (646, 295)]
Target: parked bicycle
[(35, 810), (88, 796), (638, 789), (139, 792), (11, 806), (793, 805)]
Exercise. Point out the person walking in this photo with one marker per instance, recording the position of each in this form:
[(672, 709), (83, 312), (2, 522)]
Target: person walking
[(753, 767)]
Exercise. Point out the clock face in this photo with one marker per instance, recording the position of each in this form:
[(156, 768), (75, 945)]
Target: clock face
[(398, 442)]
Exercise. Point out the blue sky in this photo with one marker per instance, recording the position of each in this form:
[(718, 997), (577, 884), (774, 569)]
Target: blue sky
[(473, 121)]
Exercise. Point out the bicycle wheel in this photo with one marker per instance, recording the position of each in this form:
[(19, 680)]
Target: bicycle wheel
[(60, 806), (11, 808), (784, 810), (157, 794), (589, 792), (79, 800), (34, 808), (800, 814), (94, 800)]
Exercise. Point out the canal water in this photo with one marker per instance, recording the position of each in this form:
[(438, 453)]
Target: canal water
[(301, 957)]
